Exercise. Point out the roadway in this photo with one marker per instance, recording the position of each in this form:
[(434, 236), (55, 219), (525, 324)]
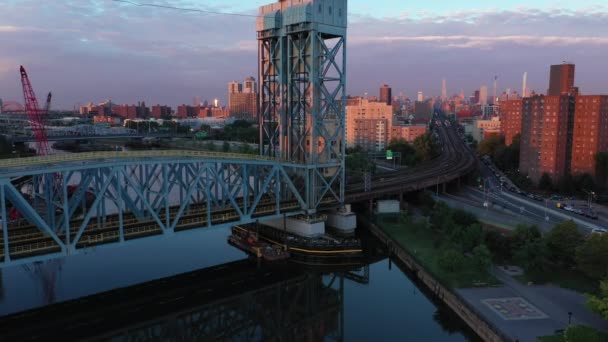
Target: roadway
[(494, 194)]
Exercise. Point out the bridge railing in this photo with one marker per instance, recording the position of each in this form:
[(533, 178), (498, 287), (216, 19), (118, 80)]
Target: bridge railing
[(60, 158)]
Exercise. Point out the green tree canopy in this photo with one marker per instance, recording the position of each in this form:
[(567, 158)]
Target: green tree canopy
[(489, 145), (562, 242), (426, 147), (599, 303), (592, 256), (601, 168), (408, 153), (482, 257), (545, 182), (450, 260)]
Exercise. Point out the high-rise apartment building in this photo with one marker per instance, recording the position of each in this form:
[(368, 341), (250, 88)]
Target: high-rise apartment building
[(510, 119), (444, 91), (250, 86), (386, 95), (161, 112), (483, 95), (368, 124), (561, 80), (243, 99), (546, 136), (589, 132)]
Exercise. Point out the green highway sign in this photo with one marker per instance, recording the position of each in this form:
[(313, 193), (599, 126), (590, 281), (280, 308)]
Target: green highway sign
[(389, 154)]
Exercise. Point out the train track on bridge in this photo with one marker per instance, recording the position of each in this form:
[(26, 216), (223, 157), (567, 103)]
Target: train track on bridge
[(455, 161)]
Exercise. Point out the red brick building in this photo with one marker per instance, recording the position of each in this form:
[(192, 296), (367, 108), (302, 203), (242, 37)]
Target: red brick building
[(161, 112), (126, 111), (407, 132), (510, 119), (561, 80), (590, 132), (546, 138)]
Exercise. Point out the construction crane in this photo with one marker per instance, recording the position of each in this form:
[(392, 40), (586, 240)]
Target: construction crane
[(36, 116)]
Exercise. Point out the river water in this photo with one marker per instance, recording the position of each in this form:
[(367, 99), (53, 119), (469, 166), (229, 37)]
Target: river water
[(387, 306)]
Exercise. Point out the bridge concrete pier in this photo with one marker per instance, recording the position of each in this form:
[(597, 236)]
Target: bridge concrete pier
[(303, 226), (344, 220)]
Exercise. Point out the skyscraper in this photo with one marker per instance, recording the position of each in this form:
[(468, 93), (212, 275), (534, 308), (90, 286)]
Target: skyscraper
[(386, 95), (420, 97), (561, 79), (444, 91), (483, 95), (524, 88), (242, 99)]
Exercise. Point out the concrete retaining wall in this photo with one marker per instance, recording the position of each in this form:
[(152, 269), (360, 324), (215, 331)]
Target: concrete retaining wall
[(468, 314)]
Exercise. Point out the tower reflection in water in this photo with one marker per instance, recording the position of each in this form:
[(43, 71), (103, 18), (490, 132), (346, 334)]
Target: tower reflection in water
[(235, 301)]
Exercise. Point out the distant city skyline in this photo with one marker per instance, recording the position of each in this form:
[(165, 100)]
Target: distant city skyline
[(92, 51)]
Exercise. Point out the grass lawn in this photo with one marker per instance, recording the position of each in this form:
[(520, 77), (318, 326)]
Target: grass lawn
[(566, 278), (577, 333), (418, 240)]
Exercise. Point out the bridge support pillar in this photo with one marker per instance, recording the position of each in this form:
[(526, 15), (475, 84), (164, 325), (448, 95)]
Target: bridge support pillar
[(309, 227), (343, 220)]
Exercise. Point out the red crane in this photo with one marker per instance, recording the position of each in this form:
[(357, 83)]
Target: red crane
[(37, 116)]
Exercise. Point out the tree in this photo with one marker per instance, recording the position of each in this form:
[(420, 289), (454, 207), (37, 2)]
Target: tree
[(450, 260), (489, 145), (408, 153), (581, 333), (524, 235), (601, 168), (599, 303), (471, 236), (482, 257), (583, 182), (359, 162), (425, 146), (592, 256), (500, 246), (545, 182), (566, 185), (562, 242), (532, 256)]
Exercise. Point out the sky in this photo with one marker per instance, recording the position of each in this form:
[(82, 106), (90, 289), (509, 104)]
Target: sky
[(92, 50)]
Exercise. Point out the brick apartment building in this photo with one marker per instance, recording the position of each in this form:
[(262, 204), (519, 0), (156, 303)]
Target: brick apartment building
[(590, 132), (510, 120), (546, 136)]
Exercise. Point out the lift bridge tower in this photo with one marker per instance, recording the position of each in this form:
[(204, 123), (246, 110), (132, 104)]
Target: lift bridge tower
[(302, 78)]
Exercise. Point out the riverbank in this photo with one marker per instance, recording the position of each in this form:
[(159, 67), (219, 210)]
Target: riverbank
[(457, 304)]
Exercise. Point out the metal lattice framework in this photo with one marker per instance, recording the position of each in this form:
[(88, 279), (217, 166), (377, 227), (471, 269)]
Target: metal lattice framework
[(302, 54), (114, 197)]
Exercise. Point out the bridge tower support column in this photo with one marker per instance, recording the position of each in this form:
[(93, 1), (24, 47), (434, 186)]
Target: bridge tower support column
[(302, 95)]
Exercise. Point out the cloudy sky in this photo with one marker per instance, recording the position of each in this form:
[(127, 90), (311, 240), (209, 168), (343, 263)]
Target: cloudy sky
[(91, 50)]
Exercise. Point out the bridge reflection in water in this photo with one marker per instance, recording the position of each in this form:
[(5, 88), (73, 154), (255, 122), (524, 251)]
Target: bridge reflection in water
[(234, 301)]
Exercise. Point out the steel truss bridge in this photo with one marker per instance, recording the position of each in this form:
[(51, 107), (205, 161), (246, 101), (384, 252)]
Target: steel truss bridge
[(233, 301), (66, 203), (108, 198)]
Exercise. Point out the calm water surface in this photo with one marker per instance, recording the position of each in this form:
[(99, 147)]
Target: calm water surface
[(387, 306)]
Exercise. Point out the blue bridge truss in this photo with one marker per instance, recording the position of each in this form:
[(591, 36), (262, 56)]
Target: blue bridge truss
[(60, 205)]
